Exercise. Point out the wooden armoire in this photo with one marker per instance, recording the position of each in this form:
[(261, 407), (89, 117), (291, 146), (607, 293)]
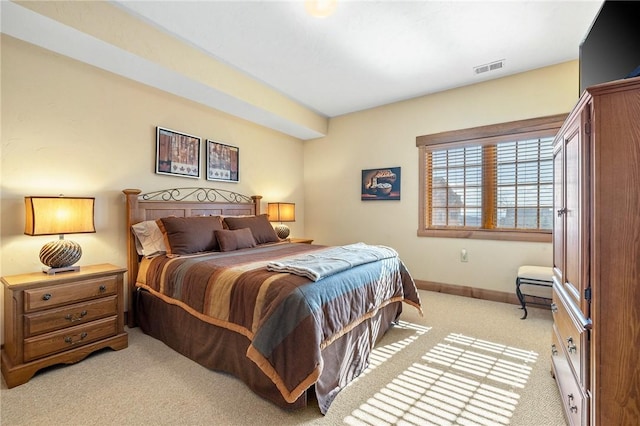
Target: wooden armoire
[(595, 349)]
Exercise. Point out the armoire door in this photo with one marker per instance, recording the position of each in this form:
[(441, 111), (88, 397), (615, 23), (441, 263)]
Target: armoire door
[(570, 228), (558, 208)]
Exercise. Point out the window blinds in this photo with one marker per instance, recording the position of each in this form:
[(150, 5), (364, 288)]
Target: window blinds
[(500, 184)]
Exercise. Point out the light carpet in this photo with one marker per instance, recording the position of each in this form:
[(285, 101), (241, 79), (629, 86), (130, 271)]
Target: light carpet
[(466, 362)]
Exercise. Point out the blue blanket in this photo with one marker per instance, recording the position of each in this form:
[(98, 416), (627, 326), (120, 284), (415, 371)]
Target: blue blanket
[(323, 263)]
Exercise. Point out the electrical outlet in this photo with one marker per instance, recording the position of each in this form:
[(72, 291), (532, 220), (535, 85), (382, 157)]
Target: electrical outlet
[(464, 256)]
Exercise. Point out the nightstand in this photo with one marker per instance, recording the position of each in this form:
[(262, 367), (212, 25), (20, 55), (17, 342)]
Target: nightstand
[(301, 240), (62, 318)]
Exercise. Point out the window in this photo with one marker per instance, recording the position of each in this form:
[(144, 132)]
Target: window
[(492, 182)]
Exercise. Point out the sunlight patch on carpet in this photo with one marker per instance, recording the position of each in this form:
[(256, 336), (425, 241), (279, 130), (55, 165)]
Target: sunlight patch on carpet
[(379, 355), (460, 381)]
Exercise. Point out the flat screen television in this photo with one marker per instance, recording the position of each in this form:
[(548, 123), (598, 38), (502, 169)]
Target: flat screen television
[(611, 49)]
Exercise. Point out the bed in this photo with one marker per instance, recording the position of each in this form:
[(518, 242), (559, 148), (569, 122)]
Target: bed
[(287, 319)]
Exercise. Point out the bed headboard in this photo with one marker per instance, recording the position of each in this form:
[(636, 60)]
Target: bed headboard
[(180, 202)]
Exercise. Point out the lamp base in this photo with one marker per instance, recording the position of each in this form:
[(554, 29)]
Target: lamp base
[(282, 231), (60, 253), (53, 271)]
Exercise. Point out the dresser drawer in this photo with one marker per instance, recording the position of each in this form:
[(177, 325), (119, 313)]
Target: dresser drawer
[(573, 399), (67, 316), (64, 294), (68, 338), (571, 335)]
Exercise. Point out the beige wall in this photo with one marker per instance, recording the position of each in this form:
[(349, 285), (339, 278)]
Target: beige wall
[(70, 128), (386, 137), (73, 129), (101, 24)]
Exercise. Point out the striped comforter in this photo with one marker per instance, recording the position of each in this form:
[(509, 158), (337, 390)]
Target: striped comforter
[(287, 318)]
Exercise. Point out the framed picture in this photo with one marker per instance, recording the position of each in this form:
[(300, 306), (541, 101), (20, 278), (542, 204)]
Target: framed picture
[(223, 162), (177, 153), (381, 184)]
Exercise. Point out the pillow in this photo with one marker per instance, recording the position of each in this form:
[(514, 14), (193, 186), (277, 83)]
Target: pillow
[(223, 217), (260, 227), (234, 240), (149, 238), (186, 235)]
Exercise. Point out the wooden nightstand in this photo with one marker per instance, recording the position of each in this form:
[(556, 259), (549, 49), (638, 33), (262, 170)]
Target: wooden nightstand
[(54, 319), (301, 240)]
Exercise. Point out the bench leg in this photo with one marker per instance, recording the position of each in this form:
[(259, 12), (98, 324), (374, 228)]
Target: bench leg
[(521, 298)]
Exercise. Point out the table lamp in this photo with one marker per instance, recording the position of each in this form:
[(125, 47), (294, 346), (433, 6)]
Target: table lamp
[(59, 216), (281, 212)]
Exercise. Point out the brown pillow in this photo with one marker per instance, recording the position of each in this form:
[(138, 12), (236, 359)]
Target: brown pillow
[(186, 235), (260, 227), (234, 240)]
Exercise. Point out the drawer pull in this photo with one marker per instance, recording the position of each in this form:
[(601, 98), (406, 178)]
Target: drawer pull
[(70, 341), (103, 288), (572, 407), (74, 318), (46, 296), (554, 308), (571, 347), (554, 350)]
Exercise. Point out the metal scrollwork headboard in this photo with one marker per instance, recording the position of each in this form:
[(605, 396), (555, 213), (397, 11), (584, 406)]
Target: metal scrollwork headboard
[(202, 195)]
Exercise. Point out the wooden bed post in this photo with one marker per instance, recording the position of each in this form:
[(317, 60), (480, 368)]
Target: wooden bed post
[(256, 200), (131, 196)]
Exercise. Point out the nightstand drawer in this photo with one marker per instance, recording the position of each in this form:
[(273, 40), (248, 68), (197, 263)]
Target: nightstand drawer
[(68, 338), (64, 294), (55, 319)]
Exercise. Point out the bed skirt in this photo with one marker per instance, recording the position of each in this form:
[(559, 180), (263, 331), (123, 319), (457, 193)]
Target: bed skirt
[(223, 350)]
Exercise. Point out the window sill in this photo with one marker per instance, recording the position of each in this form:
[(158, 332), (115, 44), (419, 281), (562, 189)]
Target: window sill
[(486, 234)]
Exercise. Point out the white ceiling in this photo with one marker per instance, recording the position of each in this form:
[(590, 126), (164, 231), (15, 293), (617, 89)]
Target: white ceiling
[(371, 53), (367, 54)]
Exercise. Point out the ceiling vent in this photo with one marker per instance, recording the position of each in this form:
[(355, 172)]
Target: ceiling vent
[(489, 67)]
